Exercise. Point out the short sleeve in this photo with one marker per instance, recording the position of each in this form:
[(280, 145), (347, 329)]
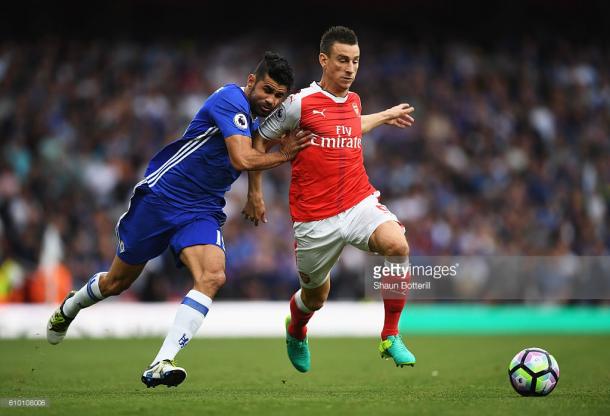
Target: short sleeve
[(284, 119), (358, 103), (230, 113)]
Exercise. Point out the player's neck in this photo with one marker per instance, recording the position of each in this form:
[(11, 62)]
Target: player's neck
[(247, 91), (332, 89)]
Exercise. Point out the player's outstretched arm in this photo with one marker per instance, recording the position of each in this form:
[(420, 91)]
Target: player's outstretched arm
[(398, 116), (244, 157)]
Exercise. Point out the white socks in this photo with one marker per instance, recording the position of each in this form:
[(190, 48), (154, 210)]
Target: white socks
[(189, 318), (86, 296)]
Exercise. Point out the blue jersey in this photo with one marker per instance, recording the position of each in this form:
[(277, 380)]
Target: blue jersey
[(194, 172)]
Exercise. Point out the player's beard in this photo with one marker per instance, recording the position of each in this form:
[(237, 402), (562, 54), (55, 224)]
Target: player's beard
[(257, 106), (263, 113)]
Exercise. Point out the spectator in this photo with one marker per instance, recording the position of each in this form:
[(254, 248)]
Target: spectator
[(510, 153)]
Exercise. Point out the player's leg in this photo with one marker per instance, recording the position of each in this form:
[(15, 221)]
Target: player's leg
[(142, 235), (372, 227), (207, 266), (389, 240), (318, 246), (303, 304), (102, 285), (201, 249)]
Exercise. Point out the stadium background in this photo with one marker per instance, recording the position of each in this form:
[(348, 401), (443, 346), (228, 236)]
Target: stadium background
[(510, 155)]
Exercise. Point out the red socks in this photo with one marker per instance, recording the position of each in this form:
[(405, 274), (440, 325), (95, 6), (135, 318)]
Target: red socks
[(394, 301), (298, 319), (393, 308)]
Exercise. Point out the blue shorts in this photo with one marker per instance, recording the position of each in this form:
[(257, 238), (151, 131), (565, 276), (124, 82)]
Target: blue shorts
[(151, 224)]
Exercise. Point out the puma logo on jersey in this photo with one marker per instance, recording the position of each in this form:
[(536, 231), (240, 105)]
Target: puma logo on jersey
[(320, 112)]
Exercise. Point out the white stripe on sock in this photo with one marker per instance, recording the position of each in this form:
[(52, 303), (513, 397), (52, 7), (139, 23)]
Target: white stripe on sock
[(299, 302), (186, 324), (82, 299), (202, 298)]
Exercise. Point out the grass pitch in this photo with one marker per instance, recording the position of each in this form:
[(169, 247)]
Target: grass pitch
[(454, 375)]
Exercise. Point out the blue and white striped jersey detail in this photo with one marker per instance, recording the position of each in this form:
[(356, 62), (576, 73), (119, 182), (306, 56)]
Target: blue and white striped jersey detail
[(194, 172), (190, 147)]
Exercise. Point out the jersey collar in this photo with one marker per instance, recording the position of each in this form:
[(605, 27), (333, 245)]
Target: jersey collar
[(338, 100), (252, 116)]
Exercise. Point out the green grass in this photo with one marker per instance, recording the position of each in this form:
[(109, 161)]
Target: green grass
[(253, 376)]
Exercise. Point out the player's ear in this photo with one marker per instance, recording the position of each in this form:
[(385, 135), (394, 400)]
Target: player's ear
[(323, 58), (251, 81)]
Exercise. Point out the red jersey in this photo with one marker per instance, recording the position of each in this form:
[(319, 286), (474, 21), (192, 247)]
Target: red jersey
[(328, 177)]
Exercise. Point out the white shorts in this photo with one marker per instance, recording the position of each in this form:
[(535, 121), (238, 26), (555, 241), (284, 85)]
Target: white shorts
[(318, 244)]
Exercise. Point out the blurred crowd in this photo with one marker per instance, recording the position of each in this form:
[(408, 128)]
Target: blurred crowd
[(510, 154)]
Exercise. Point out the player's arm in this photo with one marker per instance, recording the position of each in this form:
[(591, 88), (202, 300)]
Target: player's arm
[(229, 112), (398, 116), (284, 118), (254, 210), (244, 157)]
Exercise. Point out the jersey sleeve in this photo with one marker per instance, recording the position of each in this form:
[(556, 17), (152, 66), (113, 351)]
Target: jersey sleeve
[(284, 119), (230, 114), (358, 103)]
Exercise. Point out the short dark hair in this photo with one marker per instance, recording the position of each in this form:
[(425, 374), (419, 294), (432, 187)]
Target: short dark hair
[(277, 67), (340, 34)]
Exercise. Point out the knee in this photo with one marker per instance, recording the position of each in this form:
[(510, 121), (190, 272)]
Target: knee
[(397, 248), (113, 285)]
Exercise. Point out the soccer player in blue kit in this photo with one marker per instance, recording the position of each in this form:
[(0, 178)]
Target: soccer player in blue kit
[(179, 204)]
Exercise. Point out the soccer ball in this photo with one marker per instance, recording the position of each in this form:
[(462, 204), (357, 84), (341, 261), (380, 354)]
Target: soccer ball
[(533, 372)]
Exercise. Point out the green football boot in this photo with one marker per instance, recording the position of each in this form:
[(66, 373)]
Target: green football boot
[(394, 348), (298, 351), (58, 323)]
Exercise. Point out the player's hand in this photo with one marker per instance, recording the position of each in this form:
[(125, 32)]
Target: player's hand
[(294, 142), (255, 209), (399, 116)]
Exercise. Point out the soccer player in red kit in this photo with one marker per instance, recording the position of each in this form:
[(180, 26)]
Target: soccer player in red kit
[(332, 202)]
